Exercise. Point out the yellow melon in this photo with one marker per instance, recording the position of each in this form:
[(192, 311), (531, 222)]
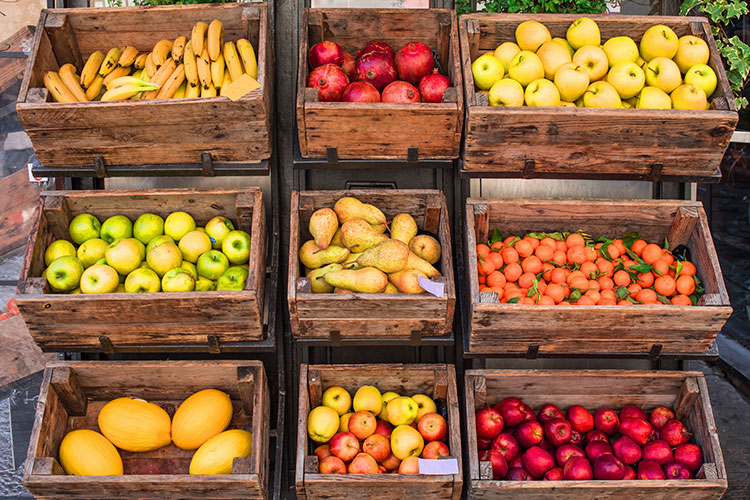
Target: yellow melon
[(88, 453), (200, 417), (135, 425), (215, 456)]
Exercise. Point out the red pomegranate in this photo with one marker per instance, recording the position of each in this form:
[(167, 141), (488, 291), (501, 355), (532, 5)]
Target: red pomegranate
[(413, 62), (432, 86), (360, 92), (381, 47), (376, 68), (326, 52), (348, 66), (399, 91), (330, 81)]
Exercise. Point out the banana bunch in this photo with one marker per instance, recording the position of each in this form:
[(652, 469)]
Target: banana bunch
[(201, 65)]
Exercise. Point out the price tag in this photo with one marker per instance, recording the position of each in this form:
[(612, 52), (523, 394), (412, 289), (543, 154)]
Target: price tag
[(32, 177), (429, 286), (441, 466)]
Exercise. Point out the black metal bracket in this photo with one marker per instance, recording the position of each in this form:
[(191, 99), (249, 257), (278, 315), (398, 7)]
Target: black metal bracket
[(655, 351), (412, 155), (655, 174), (532, 352), (207, 165), (213, 344)]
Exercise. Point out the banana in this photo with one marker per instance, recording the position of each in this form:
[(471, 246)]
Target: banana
[(150, 65), (173, 83), (95, 88), (115, 74), (198, 37), (126, 91), (215, 39), (192, 91), (91, 68), (57, 88), (204, 69), (209, 91), (180, 94), (178, 48), (217, 71), (140, 61), (127, 57), (160, 78), (127, 80), (191, 68), (110, 61), (232, 60), (72, 81), (225, 84), (161, 52), (247, 54)]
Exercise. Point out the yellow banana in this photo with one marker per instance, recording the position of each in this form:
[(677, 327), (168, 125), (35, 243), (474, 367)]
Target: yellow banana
[(110, 61), (150, 66), (209, 91), (127, 57), (247, 54), (225, 84), (180, 93), (173, 83), (127, 80), (191, 68), (198, 37), (140, 61), (91, 68), (217, 71), (72, 81), (215, 39), (115, 74), (57, 88), (204, 69), (192, 91), (95, 88), (232, 60), (126, 91), (161, 51), (178, 48), (160, 78)]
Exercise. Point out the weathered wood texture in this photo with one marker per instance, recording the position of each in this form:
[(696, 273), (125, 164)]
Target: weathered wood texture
[(513, 328), (372, 314), (594, 389), (162, 473), (145, 132), (17, 209), (11, 68), (58, 321), (436, 381), (377, 130), (586, 140)]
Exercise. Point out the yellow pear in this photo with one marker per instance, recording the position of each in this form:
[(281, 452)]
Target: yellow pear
[(357, 235), (365, 280), (403, 228), (406, 281), (323, 226), (313, 257)]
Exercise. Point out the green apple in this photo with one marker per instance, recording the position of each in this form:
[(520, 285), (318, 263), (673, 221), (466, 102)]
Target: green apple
[(178, 224), (190, 267), (212, 264), (701, 75), (505, 52), (687, 96), (123, 255), (627, 78), (571, 80), (158, 241), (620, 49), (565, 44), (530, 35), (99, 278), (142, 281), (193, 245), (659, 41), (217, 228), (164, 257), (663, 73), (64, 273), (204, 285), (178, 280), (91, 251), (506, 92), (147, 227), (84, 227), (487, 69), (691, 50), (553, 55), (594, 61), (101, 261), (601, 95), (583, 31), (236, 246), (57, 249), (525, 67), (542, 92), (117, 227), (233, 278)]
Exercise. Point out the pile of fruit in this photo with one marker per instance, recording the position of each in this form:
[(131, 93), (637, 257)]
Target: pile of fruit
[(154, 254), (179, 69), (135, 425), (350, 251), (385, 433), (576, 445), (570, 268), (378, 74), (579, 71)]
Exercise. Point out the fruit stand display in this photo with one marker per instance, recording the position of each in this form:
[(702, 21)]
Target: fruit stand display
[(326, 393)]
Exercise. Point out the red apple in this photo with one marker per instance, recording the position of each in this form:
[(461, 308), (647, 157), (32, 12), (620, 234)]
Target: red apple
[(322, 451), (363, 464), (432, 427), (596, 449), (528, 413), (537, 461), (516, 463), (580, 419), (344, 445), (627, 450), (676, 470), (362, 424), (629, 473), (577, 469), (489, 423), (689, 455), (636, 429), (608, 467), (557, 431), (595, 435), (383, 428), (391, 463), (632, 411), (325, 52), (332, 465), (554, 474), (606, 420), (566, 451), (511, 410), (518, 474), (546, 445), (436, 449), (658, 451), (483, 444), (660, 416), (499, 465), (377, 446), (410, 465), (549, 412), (529, 434), (576, 438), (506, 444), (330, 81), (674, 433), (650, 470), (381, 469)]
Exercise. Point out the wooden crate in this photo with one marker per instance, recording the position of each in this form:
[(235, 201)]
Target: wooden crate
[(368, 315), (381, 130), (71, 322), (163, 131), (73, 393), (513, 328), (437, 381), (685, 391), (559, 141)]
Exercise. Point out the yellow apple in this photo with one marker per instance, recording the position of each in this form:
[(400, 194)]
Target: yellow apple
[(193, 245), (506, 92), (542, 92), (658, 41), (178, 224), (641, 62), (426, 405), (553, 55), (387, 398), (61, 248), (663, 73), (571, 80), (337, 398), (526, 67), (406, 441), (627, 78), (583, 31), (601, 95), (620, 49), (505, 52), (653, 98), (322, 424), (567, 104), (163, 258), (688, 96), (593, 59), (530, 35), (99, 278), (368, 398), (691, 50), (123, 255), (344, 422), (565, 44), (700, 75), (402, 410), (487, 69)]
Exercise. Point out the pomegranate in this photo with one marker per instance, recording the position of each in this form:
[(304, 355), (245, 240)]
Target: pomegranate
[(399, 91), (375, 68), (360, 92), (348, 66), (330, 82), (432, 87), (381, 47), (414, 61), (326, 52)]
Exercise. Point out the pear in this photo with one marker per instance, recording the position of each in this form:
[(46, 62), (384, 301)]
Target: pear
[(341, 290), (380, 227), (357, 235), (414, 262), (406, 281), (323, 226), (337, 238), (391, 288), (365, 280), (389, 256), (317, 278), (403, 228), (313, 257), (426, 247), (349, 208), (351, 261)]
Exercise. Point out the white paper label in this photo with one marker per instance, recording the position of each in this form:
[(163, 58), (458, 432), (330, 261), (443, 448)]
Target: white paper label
[(429, 286), (442, 466), (32, 178)]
